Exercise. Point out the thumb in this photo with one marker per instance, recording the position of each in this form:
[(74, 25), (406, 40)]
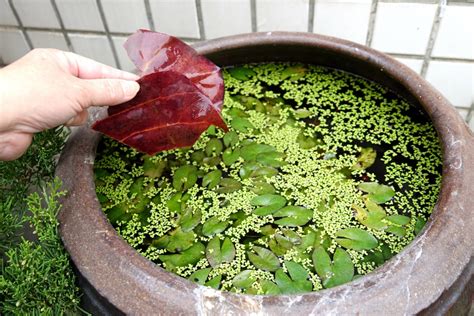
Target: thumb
[(109, 91)]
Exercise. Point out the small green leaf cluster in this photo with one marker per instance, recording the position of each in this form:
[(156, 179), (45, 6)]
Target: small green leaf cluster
[(18, 177), (322, 177), (37, 277)]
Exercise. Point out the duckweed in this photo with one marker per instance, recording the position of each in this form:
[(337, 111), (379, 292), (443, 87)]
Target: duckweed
[(322, 177)]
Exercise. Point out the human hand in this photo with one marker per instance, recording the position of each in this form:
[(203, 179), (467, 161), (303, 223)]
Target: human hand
[(47, 88)]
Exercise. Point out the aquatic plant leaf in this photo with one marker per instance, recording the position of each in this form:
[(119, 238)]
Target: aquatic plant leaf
[(217, 253), (399, 219), (177, 202), (356, 238), (373, 218), (212, 179), (228, 185), (230, 156), (280, 244), (396, 230), (293, 73), (296, 271), (264, 259), (153, 169), (243, 280), (292, 236), (215, 282), (241, 124), (336, 272), (180, 240), (261, 187), (190, 220), (269, 203), (247, 169), (322, 263), (419, 224), (366, 158), (214, 147), (302, 113), (306, 142), (343, 268), (379, 193), (269, 288), (288, 285), (264, 172), (200, 276), (231, 138), (241, 73), (214, 226), (189, 256), (185, 177), (212, 161), (267, 230), (161, 242), (250, 152), (271, 159), (293, 216), (249, 102)]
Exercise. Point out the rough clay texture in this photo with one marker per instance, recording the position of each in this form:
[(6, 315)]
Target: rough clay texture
[(429, 276)]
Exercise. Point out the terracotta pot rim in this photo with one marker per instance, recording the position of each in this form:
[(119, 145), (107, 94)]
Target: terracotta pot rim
[(144, 288)]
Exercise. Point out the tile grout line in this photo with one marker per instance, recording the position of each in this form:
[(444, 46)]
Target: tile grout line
[(61, 25), (311, 16), (20, 25), (371, 26), (149, 16), (107, 33), (83, 32), (253, 14), (202, 33), (433, 35)]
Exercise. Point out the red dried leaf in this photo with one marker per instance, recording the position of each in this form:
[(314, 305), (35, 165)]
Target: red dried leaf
[(180, 96), (168, 112)]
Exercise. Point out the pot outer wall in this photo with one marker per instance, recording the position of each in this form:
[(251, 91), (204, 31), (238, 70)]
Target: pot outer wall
[(432, 275)]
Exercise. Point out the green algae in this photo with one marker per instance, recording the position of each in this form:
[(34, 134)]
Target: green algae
[(322, 177)]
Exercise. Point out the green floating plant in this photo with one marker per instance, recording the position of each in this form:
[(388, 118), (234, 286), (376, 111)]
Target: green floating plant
[(322, 177)]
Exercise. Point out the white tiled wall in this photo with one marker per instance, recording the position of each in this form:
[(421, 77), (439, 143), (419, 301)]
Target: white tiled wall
[(414, 64), (36, 13), (12, 45), (93, 46), (6, 15), (80, 15), (435, 38), (178, 17), (456, 33), (342, 18), (42, 39), (403, 28), (216, 17), (125, 15), (281, 15), (454, 79)]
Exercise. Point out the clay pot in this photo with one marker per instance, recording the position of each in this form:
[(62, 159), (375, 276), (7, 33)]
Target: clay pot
[(434, 274)]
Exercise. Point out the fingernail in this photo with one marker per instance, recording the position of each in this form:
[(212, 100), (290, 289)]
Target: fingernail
[(130, 88)]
